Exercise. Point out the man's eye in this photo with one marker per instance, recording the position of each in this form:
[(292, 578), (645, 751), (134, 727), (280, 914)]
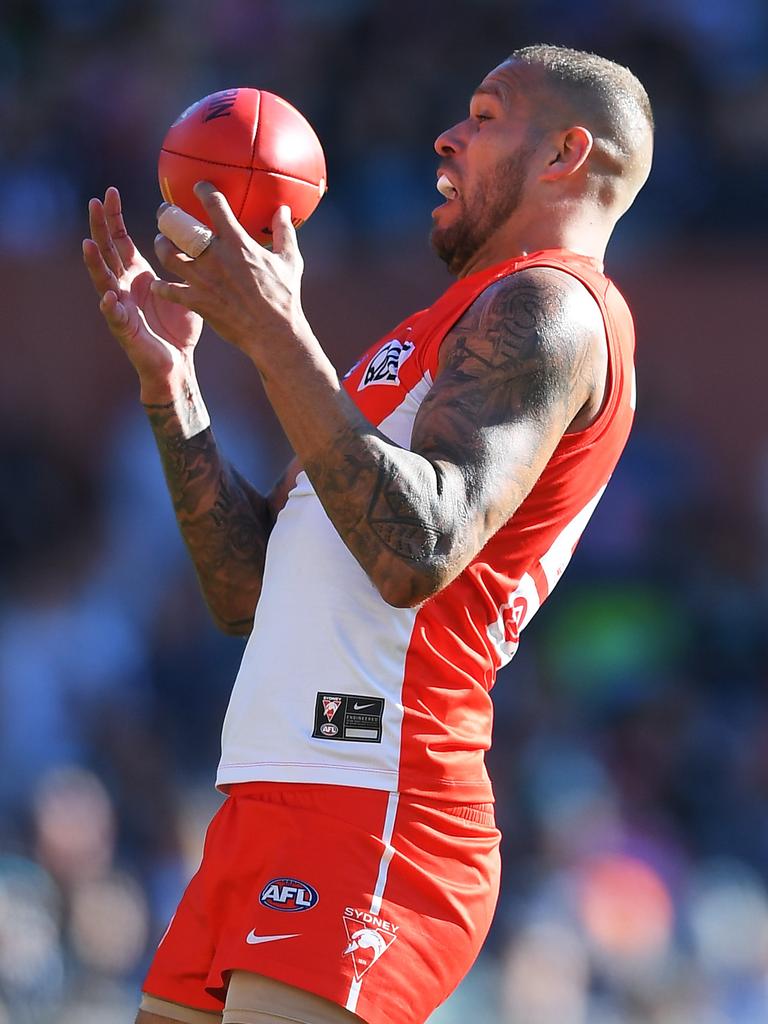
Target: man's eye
[(482, 117)]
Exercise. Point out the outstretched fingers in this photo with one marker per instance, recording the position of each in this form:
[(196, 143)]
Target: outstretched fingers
[(101, 276), (101, 235), (114, 214)]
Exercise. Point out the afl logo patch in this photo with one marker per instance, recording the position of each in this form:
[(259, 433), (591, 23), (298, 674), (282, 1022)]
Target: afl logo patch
[(384, 367), (289, 895)]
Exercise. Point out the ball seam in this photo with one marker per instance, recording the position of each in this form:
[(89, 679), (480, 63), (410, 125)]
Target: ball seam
[(253, 154), (242, 167)]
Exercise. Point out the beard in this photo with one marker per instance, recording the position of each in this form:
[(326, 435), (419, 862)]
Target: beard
[(484, 211)]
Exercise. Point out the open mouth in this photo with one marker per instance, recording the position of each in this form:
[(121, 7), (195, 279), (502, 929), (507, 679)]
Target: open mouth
[(446, 187)]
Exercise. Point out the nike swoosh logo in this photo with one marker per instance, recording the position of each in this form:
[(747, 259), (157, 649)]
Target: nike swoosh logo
[(253, 939), (359, 707)]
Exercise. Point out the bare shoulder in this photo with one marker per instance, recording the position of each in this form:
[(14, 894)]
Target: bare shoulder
[(530, 348), (549, 301), (541, 324)]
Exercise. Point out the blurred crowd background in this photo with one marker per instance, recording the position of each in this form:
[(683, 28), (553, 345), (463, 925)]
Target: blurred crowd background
[(631, 757)]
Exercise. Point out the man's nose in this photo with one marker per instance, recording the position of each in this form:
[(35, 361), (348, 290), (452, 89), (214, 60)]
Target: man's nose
[(448, 142)]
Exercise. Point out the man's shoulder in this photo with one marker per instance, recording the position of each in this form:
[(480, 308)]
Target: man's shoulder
[(549, 303)]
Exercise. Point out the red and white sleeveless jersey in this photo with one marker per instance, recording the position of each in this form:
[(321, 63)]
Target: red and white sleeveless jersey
[(338, 687)]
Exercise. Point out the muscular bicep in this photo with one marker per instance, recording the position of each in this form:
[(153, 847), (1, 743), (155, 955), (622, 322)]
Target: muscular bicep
[(515, 373)]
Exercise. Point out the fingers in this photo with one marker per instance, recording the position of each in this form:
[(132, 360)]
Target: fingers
[(102, 277), (174, 260), (219, 211), (185, 232), (115, 313), (181, 294), (284, 241), (101, 236), (104, 281), (114, 214)]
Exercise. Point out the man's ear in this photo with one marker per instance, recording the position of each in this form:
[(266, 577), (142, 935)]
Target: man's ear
[(572, 147)]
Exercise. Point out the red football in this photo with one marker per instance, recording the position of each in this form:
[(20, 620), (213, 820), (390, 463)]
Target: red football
[(251, 145)]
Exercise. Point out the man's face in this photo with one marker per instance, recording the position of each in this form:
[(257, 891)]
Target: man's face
[(483, 167)]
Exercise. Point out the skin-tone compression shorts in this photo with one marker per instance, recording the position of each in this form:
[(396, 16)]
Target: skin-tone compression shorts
[(277, 1003)]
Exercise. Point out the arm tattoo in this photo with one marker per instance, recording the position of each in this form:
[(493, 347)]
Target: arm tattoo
[(225, 523), (515, 370), (397, 523)]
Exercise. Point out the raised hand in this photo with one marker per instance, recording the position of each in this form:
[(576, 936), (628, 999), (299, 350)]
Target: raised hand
[(250, 296), (158, 336), (225, 522)]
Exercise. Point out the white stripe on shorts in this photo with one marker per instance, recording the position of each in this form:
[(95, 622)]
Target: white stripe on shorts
[(381, 882)]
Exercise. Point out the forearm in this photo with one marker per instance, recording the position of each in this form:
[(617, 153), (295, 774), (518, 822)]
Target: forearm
[(225, 523)]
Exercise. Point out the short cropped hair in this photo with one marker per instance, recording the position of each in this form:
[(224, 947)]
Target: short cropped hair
[(593, 84)]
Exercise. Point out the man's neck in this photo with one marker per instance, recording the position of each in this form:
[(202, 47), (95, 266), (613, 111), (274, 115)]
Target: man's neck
[(585, 235)]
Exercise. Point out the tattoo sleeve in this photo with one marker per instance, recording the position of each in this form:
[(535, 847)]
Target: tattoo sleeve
[(514, 373), (224, 521)]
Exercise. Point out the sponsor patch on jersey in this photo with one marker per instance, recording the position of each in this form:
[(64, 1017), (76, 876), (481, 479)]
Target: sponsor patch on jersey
[(355, 717), (384, 366), (289, 895), (368, 938)]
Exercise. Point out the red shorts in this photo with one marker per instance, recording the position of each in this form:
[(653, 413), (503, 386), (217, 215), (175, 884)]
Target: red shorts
[(375, 901)]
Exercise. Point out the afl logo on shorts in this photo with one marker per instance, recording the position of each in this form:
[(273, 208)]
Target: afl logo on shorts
[(289, 895)]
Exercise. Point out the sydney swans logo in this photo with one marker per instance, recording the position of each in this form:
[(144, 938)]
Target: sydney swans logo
[(368, 938)]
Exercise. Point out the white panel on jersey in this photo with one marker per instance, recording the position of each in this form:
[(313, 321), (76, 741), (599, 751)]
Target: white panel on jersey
[(398, 426), (555, 561), (320, 627)]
